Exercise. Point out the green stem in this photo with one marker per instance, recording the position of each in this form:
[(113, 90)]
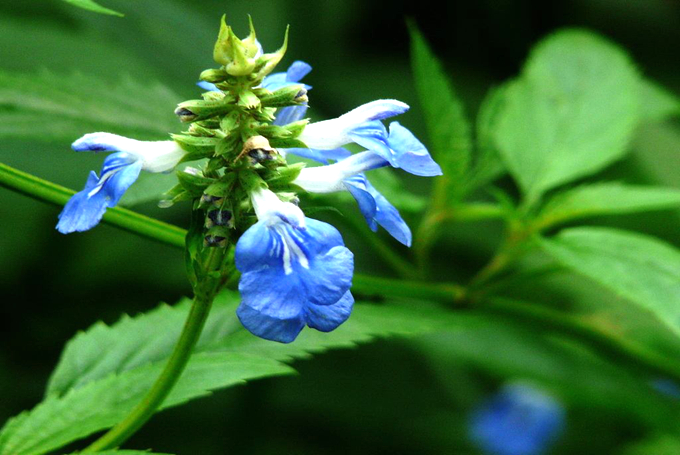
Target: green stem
[(165, 382), (128, 220), (385, 287)]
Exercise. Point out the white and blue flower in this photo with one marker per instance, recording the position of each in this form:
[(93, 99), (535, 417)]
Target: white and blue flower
[(348, 175), (120, 170), (519, 420), (295, 271)]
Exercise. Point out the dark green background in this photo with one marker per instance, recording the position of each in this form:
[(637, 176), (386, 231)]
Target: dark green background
[(391, 397)]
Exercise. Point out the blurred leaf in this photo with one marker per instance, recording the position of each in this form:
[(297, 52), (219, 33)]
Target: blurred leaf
[(659, 445), (606, 199), (657, 103), (488, 165), (641, 269), (105, 371), (508, 348), (448, 126), (125, 452), (46, 107), (570, 114), (92, 6)]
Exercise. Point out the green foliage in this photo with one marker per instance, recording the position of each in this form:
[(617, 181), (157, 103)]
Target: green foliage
[(105, 371), (448, 127), (92, 6), (571, 112), (638, 268), (488, 164), (47, 107), (605, 199), (657, 103)]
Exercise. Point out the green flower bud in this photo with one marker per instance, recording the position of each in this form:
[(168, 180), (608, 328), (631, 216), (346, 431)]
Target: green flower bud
[(286, 96), (214, 75)]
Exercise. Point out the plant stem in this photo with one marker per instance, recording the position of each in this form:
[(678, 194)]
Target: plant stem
[(128, 220), (165, 382), (368, 285), (429, 227)]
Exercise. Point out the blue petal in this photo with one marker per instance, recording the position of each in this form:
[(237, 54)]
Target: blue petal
[(321, 156), (273, 328), (290, 114), (376, 209), (82, 212), (356, 185), (85, 209), (400, 147), (520, 420), (328, 317), (208, 86), (296, 71), (284, 270), (411, 154), (388, 217)]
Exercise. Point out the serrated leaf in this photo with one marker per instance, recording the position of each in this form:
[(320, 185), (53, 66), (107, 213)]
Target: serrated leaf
[(448, 126), (571, 113), (92, 6), (48, 107), (105, 371), (656, 102), (636, 267), (609, 198)]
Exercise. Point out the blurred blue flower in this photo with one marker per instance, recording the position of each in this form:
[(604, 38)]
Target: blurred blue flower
[(667, 387), (519, 420), (120, 170), (295, 271)]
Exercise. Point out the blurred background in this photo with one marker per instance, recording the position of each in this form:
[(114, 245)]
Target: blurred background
[(390, 397)]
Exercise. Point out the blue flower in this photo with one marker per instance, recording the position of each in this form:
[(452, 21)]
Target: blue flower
[(295, 271), (377, 210), (348, 175), (120, 170), (519, 420), (334, 133), (400, 147)]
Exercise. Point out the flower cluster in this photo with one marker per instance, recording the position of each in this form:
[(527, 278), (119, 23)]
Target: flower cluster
[(295, 271)]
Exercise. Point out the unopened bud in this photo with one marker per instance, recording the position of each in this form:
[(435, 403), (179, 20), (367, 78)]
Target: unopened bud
[(258, 149), (185, 115), (214, 241), (218, 218)]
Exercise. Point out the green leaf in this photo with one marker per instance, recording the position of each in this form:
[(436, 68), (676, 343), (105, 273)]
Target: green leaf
[(659, 445), (606, 199), (641, 269), (448, 126), (48, 107), (656, 102), (488, 165), (92, 6), (105, 371), (571, 113)]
